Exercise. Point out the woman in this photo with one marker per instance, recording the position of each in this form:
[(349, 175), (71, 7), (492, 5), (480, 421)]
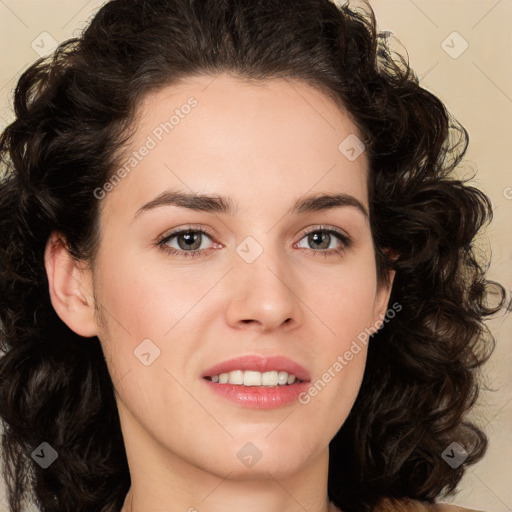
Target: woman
[(316, 348)]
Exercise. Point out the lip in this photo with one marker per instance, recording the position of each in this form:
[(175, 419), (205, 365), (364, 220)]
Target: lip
[(259, 397), (259, 364), (256, 397)]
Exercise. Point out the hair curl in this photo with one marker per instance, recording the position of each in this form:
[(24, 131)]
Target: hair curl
[(73, 115)]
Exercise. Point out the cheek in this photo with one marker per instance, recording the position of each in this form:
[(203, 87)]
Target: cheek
[(130, 304), (150, 310), (141, 302), (343, 301)]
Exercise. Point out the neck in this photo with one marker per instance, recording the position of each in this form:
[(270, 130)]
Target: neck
[(129, 506)]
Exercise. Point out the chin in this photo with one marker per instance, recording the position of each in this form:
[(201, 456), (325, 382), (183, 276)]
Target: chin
[(264, 470), (257, 458)]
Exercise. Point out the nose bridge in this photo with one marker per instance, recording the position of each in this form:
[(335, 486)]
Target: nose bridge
[(262, 262), (261, 286)]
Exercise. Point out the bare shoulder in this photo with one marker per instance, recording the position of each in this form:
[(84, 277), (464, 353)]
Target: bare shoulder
[(444, 507), (392, 505)]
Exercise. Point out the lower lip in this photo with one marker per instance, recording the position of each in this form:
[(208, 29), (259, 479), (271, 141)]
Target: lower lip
[(256, 397)]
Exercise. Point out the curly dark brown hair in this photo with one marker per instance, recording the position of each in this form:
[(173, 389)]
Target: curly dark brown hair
[(74, 111)]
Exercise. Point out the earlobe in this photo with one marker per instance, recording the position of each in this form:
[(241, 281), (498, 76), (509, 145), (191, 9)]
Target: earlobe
[(70, 287)]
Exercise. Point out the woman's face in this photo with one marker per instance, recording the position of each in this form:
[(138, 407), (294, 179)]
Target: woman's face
[(267, 279)]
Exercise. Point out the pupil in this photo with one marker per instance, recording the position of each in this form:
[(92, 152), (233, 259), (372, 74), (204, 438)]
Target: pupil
[(190, 238), (317, 234)]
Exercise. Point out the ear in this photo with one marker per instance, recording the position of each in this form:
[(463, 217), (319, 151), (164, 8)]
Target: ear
[(380, 307), (70, 286), (381, 304)]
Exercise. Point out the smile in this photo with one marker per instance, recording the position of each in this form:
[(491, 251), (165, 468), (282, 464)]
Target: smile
[(254, 378)]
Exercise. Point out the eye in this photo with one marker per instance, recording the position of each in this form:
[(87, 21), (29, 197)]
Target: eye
[(189, 242), (321, 238)]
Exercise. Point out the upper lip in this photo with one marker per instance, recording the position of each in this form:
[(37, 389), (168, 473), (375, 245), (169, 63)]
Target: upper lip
[(261, 364)]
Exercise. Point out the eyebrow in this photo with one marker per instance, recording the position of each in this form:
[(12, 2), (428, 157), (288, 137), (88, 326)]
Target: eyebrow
[(222, 204)]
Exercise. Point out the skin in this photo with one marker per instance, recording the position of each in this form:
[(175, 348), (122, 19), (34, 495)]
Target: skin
[(263, 145)]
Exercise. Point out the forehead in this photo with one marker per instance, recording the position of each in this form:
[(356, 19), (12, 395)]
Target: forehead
[(250, 139)]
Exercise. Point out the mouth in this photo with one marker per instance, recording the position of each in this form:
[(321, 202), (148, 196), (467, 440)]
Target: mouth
[(272, 378), (258, 382)]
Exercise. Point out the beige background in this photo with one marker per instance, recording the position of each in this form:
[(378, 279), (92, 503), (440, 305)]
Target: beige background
[(475, 84)]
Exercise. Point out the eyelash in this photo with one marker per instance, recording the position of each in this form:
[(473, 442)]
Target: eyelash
[(162, 243)]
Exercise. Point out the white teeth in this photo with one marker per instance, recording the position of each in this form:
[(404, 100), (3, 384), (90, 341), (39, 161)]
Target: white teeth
[(252, 378), (236, 377), (269, 379)]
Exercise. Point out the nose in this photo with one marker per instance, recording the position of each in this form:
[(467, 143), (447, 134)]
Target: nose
[(264, 295)]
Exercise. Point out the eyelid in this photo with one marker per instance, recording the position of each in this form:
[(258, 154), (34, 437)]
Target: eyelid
[(343, 237), (199, 228), (321, 227), (191, 227)]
